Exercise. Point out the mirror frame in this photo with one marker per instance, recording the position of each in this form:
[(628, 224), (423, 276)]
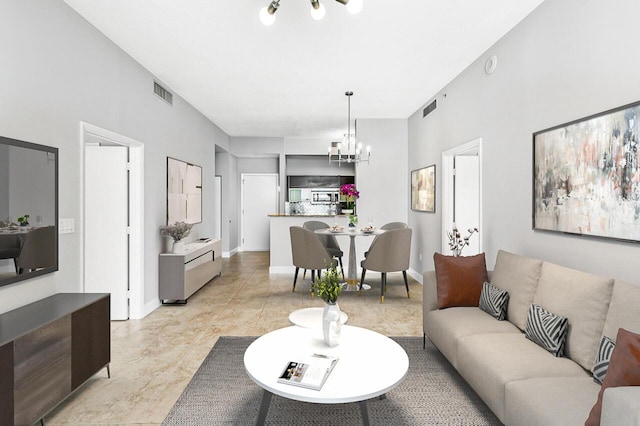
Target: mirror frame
[(49, 150)]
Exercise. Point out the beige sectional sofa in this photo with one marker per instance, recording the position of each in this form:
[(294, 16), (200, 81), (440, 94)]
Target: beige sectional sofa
[(522, 383)]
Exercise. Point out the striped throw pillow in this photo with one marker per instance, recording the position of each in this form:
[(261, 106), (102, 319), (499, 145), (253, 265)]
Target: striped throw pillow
[(547, 329), (494, 301), (602, 360)]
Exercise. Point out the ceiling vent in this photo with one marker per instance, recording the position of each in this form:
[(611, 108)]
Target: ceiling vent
[(429, 109), (163, 93)]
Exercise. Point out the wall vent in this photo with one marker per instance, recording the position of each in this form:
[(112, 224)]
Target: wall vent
[(429, 108), (163, 93)]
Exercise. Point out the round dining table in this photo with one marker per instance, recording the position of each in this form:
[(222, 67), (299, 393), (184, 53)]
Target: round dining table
[(352, 270)]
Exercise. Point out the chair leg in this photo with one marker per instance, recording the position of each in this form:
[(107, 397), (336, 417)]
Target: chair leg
[(15, 263), (406, 283), (313, 280), (304, 274), (383, 284), (295, 277), (364, 272), (341, 267)]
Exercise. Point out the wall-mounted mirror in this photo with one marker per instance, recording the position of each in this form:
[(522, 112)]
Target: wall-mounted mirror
[(184, 192), (28, 210)]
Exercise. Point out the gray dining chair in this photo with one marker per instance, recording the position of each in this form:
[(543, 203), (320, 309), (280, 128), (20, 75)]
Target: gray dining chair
[(10, 247), (330, 242), (389, 252), (38, 250), (387, 227), (308, 252), (393, 225)]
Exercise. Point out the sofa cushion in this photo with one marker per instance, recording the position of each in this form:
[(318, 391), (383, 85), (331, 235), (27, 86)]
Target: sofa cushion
[(583, 299), (549, 401), (546, 329), (445, 327), (489, 361), (459, 279), (494, 301), (519, 276), (623, 309), (624, 369), (601, 365)]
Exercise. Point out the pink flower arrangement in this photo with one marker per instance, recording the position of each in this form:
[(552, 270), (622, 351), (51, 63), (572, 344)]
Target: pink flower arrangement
[(349, 190)]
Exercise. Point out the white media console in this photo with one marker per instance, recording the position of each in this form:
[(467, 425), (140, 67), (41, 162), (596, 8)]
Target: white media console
[(182, 274)]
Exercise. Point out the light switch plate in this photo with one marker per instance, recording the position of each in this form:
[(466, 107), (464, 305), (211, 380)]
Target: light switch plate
[(67, 226)]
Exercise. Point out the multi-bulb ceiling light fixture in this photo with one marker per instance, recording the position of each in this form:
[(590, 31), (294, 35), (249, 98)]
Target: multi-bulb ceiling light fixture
[(268, 13), (348, 151)]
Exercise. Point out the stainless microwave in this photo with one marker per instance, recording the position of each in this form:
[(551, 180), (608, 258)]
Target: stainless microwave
[(324, 197)]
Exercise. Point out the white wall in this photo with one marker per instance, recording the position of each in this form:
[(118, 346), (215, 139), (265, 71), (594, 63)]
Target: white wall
[(567, 60), (384, 183), (57, 70), (4, 183)]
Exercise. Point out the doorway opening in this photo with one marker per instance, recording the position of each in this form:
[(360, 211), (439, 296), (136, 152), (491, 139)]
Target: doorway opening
[(259, 197), (462, 194), (124, 256)]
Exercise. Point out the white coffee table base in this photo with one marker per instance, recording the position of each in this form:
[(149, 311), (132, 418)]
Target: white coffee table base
[(357, 377)]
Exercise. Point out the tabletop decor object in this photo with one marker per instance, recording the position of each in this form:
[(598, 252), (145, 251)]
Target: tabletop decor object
[(177, 231), (350, 194), (457, 242), (328, 288), (23, 220)]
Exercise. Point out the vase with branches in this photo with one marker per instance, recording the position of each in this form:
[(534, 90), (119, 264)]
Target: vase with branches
[(457, 242)]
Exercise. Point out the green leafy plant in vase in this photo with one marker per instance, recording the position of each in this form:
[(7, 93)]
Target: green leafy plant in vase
[(328, 288), (23, 220)]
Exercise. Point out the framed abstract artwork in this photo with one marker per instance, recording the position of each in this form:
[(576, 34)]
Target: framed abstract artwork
[(586, 176), (423, 189), (184, 192)]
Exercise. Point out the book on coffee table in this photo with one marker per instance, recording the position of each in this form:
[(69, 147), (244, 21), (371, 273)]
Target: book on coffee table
[(309, 373)]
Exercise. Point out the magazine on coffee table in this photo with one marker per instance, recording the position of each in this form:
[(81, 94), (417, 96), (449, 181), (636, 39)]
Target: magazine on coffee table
[(310, 373)]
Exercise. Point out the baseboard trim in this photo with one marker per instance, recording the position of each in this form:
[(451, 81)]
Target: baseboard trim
[(415, 275), (150, 307), (227, 254)]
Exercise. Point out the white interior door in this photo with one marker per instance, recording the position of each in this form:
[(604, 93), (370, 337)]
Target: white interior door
[(466, 206), (106, 266), (259, 199)]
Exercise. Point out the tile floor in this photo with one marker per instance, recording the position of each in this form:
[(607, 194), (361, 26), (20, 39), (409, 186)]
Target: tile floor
[(153, 359)]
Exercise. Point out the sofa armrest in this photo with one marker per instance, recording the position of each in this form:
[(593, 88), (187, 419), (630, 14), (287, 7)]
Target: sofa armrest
[(429, 292), (621, 406)]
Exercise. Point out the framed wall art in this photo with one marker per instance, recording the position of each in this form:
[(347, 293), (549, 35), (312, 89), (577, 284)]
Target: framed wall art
[(423, 189), (184, 192), (586, 176)]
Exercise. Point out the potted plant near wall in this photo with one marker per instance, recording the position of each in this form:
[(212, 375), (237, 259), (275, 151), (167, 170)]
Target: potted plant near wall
[(177, 231), (328, 288)]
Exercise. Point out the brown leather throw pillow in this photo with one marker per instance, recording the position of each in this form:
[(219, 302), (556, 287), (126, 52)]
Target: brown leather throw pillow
[(624, 369), (459, 279)]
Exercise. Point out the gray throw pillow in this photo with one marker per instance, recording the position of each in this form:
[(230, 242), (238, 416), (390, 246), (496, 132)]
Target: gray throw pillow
[(494, 301), (547, 330)]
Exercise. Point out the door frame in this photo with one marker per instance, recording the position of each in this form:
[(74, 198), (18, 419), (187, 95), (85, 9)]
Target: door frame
[(136, 211), (448, 185), (242, 175)]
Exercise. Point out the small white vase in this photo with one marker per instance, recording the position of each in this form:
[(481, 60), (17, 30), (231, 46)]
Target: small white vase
[(331, 326), (347, 211), (178, 246)]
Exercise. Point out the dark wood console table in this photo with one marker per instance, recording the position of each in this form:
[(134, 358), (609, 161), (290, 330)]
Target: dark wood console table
[(48, 349)]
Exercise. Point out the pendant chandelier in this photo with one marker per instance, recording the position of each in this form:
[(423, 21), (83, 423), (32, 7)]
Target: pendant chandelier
[(348, 151), (268, 13)]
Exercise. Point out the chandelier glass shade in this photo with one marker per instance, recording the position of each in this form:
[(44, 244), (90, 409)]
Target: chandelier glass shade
[(318, 11), (349, 151)]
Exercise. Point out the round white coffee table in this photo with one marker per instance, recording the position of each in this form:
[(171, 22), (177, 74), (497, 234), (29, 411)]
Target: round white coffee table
[(357, 376), (311, 317)]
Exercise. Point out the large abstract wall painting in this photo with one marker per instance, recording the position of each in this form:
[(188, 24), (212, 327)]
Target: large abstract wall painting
[(586, 176), (423, 189), (184, 192)]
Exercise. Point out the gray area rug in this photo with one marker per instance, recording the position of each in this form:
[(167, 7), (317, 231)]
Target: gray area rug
[(433, 393)]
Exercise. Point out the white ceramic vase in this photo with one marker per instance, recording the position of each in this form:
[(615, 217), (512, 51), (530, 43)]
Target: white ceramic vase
[(331, 326), (178, 246)]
